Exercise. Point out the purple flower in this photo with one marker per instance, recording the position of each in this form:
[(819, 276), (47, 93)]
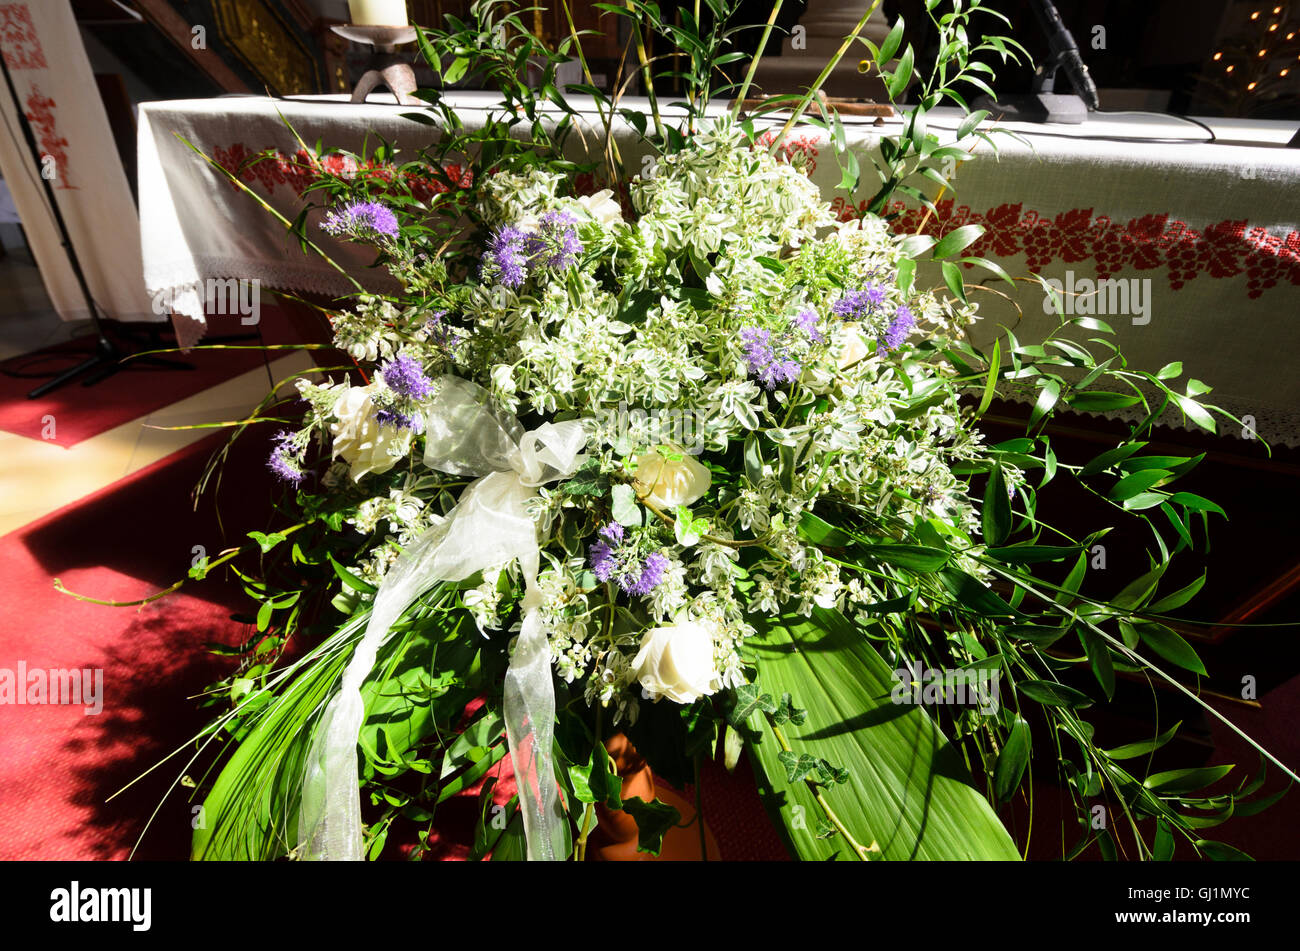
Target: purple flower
[(897, 330), (769, 361), (391, 417), (507, 253), (806, 320), (611, 560), (361, 219), (858, 305), (556, 243), (652, 572), (282, 461), (405, 377)]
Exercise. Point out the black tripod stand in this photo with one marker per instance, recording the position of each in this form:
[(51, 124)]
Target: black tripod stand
[(108, 356)]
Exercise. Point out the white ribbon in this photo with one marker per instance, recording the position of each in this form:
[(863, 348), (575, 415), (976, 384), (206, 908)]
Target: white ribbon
[(488, 526)]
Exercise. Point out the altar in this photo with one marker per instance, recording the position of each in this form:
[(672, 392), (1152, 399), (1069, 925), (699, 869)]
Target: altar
[(1188, 248)]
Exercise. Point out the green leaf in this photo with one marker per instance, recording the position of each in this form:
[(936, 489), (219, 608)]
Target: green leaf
[(753, 460), (973, 595), (1012, 760), (1222, 852), (997, 509), (900, 77), (1137, 592), (653, 819), (1178, 598), (906, 788), (952, 277), (1143, 747), (970, 122), (1099, 660), (349, 579), (1109, 458), (626, 509), (1137, 482), (1096, 401), (1196, 412), (1162, 850), (957, 240), (912, 557), (891, 43), (266, 542), (1048, 393), (1176, 782), (746, 700), (990, 384), (1193, 501), (1053, 694), (1030, 554), (1169, 645)]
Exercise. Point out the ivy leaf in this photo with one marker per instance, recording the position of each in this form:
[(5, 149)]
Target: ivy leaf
[(588, 480), (745, 700), (653, 820), (787, 712), (625, 507), (687, 528), (266, 542), (798, 766)]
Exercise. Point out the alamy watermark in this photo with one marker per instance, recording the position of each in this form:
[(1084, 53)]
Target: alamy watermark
[(978, 687), (220, 296), (1085, 297), (37, 686), (683, 429)]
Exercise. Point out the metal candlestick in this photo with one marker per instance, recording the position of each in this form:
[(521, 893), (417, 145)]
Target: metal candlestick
[(385, 68)]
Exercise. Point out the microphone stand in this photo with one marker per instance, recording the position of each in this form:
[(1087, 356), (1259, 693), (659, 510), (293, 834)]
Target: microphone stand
[(1043, 103), (107, 358)]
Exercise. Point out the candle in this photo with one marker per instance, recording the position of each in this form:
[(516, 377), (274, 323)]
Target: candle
[(378, 12)]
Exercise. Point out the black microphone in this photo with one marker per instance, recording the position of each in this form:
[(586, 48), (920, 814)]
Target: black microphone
[(1065, 53)]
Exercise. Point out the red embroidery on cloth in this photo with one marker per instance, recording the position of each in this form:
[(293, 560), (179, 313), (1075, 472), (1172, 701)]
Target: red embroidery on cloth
[(22, 48), (1226, 249), (272, 168), (802, 144), (41, 117)]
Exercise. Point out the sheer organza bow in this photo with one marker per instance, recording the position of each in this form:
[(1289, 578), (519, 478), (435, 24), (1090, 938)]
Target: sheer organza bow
[(489, 526)]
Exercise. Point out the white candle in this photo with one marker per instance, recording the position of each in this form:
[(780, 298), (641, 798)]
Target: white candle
[(378, 12)]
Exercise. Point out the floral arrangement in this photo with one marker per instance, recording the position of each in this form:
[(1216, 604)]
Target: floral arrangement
[(697, 462)]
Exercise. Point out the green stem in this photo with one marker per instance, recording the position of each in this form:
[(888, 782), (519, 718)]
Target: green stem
[(645, 71), (860, 850), (753, 63), (58, 583), (812, 90)]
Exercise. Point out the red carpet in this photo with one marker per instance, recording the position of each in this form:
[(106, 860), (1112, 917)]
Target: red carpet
[(136, 390), (58, 766)]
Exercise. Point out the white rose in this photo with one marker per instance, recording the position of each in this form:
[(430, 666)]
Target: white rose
[(669, 483), (676, 662), (603, 207), (358, 438), (854, 348)]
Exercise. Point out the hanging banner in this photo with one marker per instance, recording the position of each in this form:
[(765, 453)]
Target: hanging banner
[(56, 90)]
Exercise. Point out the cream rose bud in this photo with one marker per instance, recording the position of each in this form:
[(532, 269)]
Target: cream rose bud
[(669, 483), (359, 439), (677, 662), (855, 346), (603, 207)]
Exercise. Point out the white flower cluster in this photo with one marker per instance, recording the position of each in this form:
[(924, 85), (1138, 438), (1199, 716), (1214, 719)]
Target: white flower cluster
[(732, 299)]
